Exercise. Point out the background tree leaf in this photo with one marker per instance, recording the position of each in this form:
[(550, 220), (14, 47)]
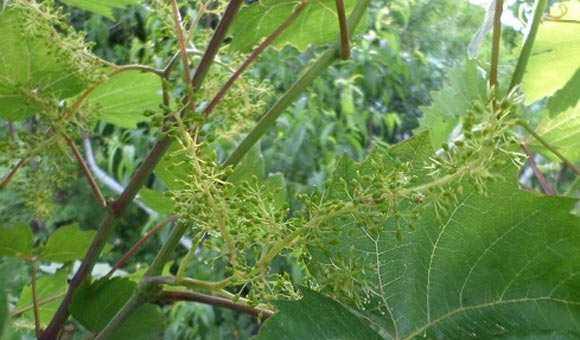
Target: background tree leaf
[(251, 165), (67, 243), (555, 56), (127, 98), (314, 317), (501, 265), (29, 69), (95, 304), (464, 85), (316, 25), (48, 286), (15, 240), (102, 7)]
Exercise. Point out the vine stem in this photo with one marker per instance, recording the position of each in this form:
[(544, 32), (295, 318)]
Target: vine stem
[(547, 145), (93, 184), (495, 44), (35, 297), (169, 295), (533, 165), (181, 43), (344, 36), (255, 55)]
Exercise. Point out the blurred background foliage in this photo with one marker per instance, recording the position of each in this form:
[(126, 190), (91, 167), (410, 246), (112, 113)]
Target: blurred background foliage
[(375, 97)]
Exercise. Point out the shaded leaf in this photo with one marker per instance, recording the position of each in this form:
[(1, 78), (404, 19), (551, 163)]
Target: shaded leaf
[(276, 184), (555, 56), (314, 317), (449, 104), (47, 287), (173, 168), (501, 265), (127, 98), (156, 201), (95, 304), (16, 240), (316, 25), (567, 97), (251, 165), (67, 243), (4, 315), (29, 70), (102, 7)]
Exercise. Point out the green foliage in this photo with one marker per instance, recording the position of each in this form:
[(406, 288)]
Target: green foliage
[(96, 303), (316, 25), (16, 240), (314, 317), (102, 7), (554, 57), (66, 244)]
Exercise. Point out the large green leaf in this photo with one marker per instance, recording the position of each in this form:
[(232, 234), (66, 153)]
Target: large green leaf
[(127, 98), (501, 265), (47, 287), (29, 70), (102, 7), (314, 317), (317, 24), (16, 240), (67, 243), (561, 132), (95, 304), (464, 85), (567, 97), (555, 55)]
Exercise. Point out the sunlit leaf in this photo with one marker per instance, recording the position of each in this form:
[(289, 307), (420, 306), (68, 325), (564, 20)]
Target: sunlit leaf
[(555, 55), (565, 98), (314, 317), (317, 24), (29, 70), (561, 132), (102, 7), (156, 201), (16, 240), (127, 98)]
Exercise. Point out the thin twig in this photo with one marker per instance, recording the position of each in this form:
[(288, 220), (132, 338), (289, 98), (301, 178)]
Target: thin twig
[(139, 243), (182, 45), (96, 191), (11, 174), (35, 298), (495, 44), (22, 310), (169, 295), (344, 36), (539, 176), (253, 56)]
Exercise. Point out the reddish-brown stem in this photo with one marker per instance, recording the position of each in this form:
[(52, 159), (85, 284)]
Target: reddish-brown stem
[(11, 131), (534, 166), (344, 41), (35, 298), (11, 174), (253, 57), (495, 44), (142, 241), (182, 45), (169, 295), (96, 191)]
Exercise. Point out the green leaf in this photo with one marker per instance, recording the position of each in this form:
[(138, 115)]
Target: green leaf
[(251, 165), (16, 240), (276, 184), (156, 201), (565, 98), (561, 132), (29, 70), (464, 85), (316, 25), (49, 286), (501, 265), (555, 56), (4, 314), (314, 317), (173, 168), (67, 243), (102, 7), (127, 98), (95, 304)]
